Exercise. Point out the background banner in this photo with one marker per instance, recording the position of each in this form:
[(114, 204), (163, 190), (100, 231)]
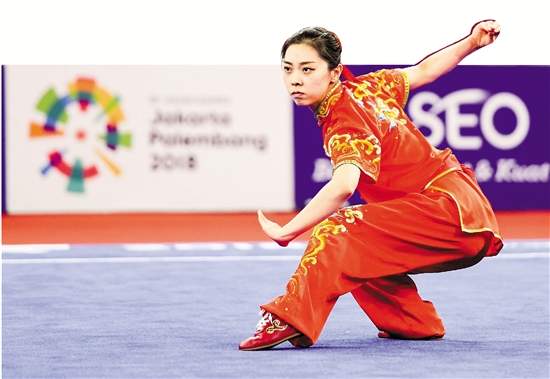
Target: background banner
[(495, 119), (147, 138)]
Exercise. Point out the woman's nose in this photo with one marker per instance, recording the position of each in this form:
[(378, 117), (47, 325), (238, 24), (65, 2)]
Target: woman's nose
[(295, 79)]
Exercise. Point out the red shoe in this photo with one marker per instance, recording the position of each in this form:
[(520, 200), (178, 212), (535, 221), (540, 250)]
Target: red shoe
[(384, 334), (270, 332)]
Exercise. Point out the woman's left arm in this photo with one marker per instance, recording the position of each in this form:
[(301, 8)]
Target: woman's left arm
[(446, 59)]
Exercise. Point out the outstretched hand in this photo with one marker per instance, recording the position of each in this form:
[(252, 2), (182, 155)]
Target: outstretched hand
[(485, 32), (273, 230)]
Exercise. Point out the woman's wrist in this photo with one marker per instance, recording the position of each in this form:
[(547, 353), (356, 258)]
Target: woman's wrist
[(474, 45)]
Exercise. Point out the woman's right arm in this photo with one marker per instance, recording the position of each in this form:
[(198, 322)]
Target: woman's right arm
[(327, 201)]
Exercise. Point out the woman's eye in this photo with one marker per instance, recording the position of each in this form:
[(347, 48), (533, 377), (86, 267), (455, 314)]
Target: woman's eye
[(287, 69), (306, 69)]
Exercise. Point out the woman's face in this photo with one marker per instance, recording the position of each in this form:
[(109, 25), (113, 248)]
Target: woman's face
[(307, 76)]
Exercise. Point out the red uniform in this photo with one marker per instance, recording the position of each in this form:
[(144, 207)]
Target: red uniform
[(424, 212)]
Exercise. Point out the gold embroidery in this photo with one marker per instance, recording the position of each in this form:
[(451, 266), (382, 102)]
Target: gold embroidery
[(275, 327), (361, 90), (352, 148), (407, 88), (351, 214), (324, 108), (384, 88), (316, 244), (391, 114)]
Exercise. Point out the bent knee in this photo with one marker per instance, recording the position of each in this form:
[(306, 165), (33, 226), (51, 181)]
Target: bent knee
[(473, 245)]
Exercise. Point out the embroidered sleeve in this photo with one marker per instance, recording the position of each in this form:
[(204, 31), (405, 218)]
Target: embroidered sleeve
[(395, 83), (406, 85), (360, 149)]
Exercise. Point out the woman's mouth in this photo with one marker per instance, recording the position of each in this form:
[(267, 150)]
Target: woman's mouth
[(297, 95)]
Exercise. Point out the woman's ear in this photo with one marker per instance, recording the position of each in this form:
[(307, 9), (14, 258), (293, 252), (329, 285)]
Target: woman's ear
[(335, 73)]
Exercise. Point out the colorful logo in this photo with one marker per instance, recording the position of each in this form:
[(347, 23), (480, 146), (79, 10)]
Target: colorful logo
[(83, 96)]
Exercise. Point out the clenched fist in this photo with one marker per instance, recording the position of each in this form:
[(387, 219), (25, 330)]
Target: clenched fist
[(485, 32)]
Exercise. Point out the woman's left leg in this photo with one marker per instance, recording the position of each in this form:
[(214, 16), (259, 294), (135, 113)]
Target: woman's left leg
[(395, 307)]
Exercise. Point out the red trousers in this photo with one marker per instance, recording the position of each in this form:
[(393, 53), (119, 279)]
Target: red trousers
[(369, 250)]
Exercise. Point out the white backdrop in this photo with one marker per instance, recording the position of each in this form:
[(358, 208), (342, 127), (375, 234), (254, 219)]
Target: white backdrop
[(252, 31), (201, 140), (239, 32)]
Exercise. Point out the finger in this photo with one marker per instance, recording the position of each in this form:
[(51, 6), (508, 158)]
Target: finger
[(264, 221), (486, 27), (493, 25), (494, 35), (261, 214), (261, 217)]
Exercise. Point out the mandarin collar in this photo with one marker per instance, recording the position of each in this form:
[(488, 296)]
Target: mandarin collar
[(323, 108)]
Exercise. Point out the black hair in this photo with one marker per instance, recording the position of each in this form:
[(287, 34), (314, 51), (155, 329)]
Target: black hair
[(325, 42)]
